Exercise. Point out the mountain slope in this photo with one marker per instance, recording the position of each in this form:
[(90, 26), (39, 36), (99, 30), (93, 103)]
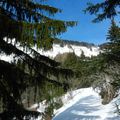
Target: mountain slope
[(77, 49)]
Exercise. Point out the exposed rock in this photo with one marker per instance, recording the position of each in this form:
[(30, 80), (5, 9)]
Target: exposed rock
[(108, 92)]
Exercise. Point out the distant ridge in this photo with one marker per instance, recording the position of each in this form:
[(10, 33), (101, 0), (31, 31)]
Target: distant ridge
[(73, 42), (69, 46)]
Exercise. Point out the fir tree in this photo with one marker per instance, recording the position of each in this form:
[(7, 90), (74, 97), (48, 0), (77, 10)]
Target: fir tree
[(29, 24), (110, 63), (114, 33), (113, 46), (103, 10), (108, 9)]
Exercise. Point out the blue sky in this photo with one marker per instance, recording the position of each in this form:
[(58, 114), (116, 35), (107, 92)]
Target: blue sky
[(85, 30)]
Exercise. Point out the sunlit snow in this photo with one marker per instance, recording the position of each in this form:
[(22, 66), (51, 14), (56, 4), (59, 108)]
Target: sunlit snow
[(57, 49), (86, 105)]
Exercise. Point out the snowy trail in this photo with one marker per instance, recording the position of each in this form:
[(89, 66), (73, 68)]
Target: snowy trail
[(87, 106)]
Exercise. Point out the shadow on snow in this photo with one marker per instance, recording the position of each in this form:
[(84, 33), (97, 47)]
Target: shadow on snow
[(80, 110)]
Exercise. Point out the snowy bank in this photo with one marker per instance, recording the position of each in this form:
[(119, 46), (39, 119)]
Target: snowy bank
[(86, 105)]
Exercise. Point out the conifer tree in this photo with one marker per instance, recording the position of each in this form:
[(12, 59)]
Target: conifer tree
[(104, 10), (113, 46), (24, 24), (110, 63), (114, 33), (112, 54)]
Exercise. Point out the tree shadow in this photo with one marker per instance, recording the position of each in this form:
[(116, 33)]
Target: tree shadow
[(80, 110), (75, 117), (114, 118)]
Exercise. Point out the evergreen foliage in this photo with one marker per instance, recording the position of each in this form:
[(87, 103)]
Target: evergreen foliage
[(114, 33), (113, 46), (31, 77), (82, 67), (103, 10), (111, 54), (100, 71), (112, 51)]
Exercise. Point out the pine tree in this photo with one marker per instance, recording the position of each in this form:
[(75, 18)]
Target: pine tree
[(110, 63), (104, 10), (24, 24), (113, 46), (114, 33), (112, 53)]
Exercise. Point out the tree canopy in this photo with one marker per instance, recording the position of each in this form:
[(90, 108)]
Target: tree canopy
[(24, 24)]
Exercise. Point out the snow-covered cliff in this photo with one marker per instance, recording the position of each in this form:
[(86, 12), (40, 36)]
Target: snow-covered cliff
[(77, 49)]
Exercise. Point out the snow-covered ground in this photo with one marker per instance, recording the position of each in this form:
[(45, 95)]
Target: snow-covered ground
[(86, 105)]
